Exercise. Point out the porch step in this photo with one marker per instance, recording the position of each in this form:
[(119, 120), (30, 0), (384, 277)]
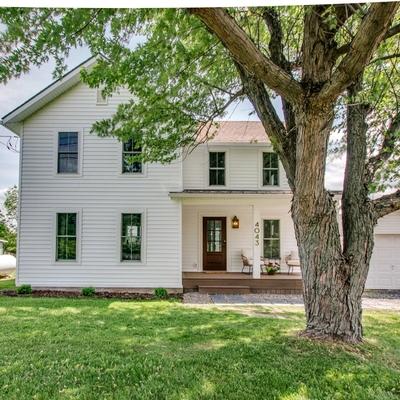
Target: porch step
[(224, 289)]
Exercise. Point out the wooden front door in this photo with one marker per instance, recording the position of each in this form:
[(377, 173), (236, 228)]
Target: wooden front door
[(214, 243)]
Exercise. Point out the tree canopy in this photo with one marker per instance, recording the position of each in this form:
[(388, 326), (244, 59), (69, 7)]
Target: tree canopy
[(8, 220), (181, 75)]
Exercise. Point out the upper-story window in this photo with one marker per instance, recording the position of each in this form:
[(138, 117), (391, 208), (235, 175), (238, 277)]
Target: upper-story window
[(100, 99), (217, 168), (270, 169), (129, 164), (67, 162)]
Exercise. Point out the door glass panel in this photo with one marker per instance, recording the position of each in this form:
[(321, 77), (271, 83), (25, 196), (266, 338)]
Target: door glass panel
[(214, 236)]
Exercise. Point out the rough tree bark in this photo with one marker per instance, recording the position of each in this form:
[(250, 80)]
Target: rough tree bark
[(333, 276)]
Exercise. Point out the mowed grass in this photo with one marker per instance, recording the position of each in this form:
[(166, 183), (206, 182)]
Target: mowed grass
[(7, 284), (107, 349)]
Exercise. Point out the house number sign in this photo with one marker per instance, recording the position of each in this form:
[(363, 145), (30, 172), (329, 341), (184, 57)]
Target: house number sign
[(257, 234)]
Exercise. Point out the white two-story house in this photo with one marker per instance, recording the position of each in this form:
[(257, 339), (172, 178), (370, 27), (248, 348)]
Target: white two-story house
[(88, 216)]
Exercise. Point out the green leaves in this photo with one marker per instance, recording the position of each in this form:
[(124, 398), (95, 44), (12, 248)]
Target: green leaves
[(178, 73)]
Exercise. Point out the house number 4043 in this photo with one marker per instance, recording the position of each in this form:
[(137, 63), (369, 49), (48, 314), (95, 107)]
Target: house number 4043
[(257, 234)]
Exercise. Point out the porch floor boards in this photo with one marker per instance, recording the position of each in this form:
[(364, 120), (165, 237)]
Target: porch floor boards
[(280, 283)]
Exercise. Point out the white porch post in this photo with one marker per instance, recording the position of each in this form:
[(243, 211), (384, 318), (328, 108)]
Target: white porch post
[(256, 233)]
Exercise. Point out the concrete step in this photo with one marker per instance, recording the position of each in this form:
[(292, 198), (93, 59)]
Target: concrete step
[(224, 289)]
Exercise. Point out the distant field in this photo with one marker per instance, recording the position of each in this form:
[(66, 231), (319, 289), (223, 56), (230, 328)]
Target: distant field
[(7, 284)]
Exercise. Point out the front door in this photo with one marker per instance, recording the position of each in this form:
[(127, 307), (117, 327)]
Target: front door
[(214, 243)]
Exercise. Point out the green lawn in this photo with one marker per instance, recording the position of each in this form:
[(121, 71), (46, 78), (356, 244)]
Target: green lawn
[(7, 284), (107, 349)]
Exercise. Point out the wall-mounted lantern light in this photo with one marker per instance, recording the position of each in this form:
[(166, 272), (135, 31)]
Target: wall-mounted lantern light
[(235, 222)]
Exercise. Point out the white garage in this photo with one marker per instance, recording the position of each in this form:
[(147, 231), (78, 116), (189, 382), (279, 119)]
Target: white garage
[(384, 270)]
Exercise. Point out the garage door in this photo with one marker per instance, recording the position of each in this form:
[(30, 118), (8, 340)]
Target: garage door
[(384, 271)]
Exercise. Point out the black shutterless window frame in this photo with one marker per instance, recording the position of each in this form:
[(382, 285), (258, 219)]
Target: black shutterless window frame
[(68, 153), (217, 164)]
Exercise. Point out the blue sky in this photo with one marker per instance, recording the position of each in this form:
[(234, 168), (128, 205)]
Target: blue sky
[(18, 90)]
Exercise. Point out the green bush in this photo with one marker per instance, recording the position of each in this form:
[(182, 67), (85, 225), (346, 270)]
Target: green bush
[(24, 289), (88, 291), (160, 293)]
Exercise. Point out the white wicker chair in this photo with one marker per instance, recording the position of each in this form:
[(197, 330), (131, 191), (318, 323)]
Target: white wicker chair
[(292, 261), (247, 261)]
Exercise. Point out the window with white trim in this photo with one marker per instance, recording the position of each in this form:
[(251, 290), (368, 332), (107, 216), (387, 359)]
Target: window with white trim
[(100, 99), (217, 168), (131, 237), (270, 169), (272, 241), (67, 149), (130, 152), (66, 248)]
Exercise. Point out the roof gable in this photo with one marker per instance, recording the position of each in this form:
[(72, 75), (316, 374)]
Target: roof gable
[(46, 95)]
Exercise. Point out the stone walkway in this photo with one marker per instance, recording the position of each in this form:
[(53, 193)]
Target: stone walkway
[(387, 303)]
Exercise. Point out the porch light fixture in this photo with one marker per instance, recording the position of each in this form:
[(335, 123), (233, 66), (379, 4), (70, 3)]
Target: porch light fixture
[(235, 222)]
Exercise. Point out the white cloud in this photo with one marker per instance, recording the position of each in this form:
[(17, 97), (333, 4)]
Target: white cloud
[(334, 174)]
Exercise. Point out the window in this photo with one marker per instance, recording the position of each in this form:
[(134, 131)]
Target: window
[(67, 153), (271, 239), (217, 169), (130, 150), (131, 237), (214, 236), (270, 169), (100, 99), (66, 237)]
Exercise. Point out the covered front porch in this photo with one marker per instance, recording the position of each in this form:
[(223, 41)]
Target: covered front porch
[(220, 228)]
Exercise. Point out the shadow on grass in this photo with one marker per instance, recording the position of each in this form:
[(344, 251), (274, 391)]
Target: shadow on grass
[(91, 349)]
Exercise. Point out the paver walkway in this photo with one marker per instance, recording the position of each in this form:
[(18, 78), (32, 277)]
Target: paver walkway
[(387, 303)]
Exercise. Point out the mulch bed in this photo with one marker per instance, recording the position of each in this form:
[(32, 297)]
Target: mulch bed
[(77, 294)]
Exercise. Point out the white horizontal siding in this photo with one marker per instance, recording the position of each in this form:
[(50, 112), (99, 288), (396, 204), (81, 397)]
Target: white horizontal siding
[(384, 270), (243, 168), (389, 224), (101, 193)]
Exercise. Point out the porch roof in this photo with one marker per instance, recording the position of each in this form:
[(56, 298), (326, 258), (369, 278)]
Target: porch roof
[(224, 193)]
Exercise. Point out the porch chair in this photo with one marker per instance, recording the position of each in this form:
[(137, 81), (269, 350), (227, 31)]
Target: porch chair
[(247, 261), (292, 260)]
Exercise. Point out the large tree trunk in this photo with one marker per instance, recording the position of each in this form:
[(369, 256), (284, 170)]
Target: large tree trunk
[(332, 289), (334, 275)]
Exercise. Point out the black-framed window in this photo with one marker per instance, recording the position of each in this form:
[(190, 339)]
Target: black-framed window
[(129, 164), (67, 162), (270, 169), (131, 237), (66, 237), (217, 168), (272, 241)]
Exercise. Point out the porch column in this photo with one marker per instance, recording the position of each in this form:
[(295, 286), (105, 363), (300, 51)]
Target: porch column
[(256, 234)]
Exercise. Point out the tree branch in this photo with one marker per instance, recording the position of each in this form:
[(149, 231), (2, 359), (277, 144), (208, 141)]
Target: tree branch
[(245, 52), (387, 147), (388, 57), (371, 32), (387, 204), (273, 23), (390, 33), (283, 144), (345, 11)]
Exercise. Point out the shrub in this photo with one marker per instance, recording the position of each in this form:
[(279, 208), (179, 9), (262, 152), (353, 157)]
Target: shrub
[(88, 291), (24, 289), (160, 293)]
